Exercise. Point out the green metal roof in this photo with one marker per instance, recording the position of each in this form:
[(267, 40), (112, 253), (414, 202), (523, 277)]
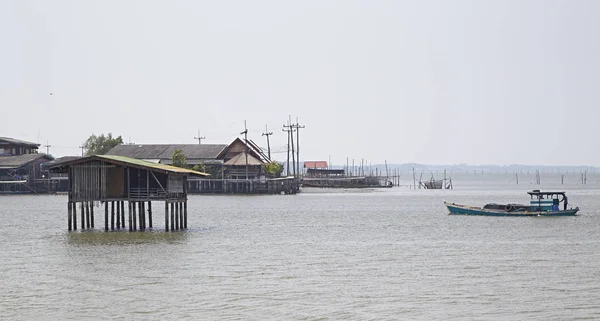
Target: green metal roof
[(131, 162), (144, 163)]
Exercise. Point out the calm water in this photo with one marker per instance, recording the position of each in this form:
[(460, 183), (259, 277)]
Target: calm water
[(387, 254)]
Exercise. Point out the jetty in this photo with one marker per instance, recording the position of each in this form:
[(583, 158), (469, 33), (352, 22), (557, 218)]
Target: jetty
[(113, 181)]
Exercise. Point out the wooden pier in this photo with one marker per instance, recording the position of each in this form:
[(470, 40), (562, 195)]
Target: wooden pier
[(283, 185), (112, 181)]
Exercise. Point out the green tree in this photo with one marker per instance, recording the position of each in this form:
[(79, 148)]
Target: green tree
[(179, 159), (199, 168), (100, 145), (274, 169)]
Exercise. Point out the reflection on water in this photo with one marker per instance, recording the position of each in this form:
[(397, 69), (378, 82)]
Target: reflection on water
[(125, 237)]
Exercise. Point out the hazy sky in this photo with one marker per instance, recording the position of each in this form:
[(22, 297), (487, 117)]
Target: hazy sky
[(438, 82)]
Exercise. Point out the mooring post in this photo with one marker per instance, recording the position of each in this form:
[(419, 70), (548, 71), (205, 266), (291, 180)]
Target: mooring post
[(185, 215), (112, 215), (149, 214), (70, 210), (166, 216), (172, 216), (106, 216), (74, 205), (91, 205)]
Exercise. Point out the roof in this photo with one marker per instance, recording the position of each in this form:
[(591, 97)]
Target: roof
[(252, 148), (138, 163), (240, 160), (18, 142), (165, 151), (21, 160), (537, 192), (61, 160), (315, 164)]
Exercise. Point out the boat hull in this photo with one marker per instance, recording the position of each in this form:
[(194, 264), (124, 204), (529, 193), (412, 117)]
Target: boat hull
[(456, 209)]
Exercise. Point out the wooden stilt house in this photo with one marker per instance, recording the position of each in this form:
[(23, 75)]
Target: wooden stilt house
[(113, 181)]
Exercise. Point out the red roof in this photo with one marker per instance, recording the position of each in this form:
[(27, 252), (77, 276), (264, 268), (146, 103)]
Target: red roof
[(315, 164)]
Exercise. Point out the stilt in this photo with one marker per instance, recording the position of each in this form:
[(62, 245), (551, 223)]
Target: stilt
[(181, 215), (172, 216), (122, 214), (130, 218), (82, 216), (112, 216), (177, 216), (74, 205), (141, 215), (149, 214), (118, 215), (106, 216), (185, 215), (166, 216), (91, 205), (70, 210), (134, 211)]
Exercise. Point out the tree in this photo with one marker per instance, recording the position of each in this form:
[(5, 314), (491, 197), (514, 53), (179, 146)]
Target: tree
[(199, 168), (179, 159), (274, 169), (100, 145)]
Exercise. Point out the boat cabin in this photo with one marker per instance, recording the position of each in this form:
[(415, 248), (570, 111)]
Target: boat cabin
[(547, 201)]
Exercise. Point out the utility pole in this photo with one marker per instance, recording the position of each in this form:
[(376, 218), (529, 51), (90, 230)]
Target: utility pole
[(245, 132), (297, 126), (292, 139), (267, 133), (199, 138), (287, 128), (82, 148), (47, 148)]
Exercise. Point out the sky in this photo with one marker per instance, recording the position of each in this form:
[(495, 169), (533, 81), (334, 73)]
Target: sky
[(434, 82)]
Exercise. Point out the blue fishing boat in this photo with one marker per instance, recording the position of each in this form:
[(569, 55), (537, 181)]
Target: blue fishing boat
[(540, 204)]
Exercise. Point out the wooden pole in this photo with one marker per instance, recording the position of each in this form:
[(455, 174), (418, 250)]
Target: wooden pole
[(181, 215), (134, 211), (172, 216), (74, 205), (177, 216), (106, 216), (123, 214), (185, 215), (112, 215), (91, 205), (166, 216), (70, 218), (87, 214), (130, 217), (118, 215), (149, 214)]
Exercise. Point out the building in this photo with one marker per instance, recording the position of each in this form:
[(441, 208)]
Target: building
[(14, 147), (21, 168)]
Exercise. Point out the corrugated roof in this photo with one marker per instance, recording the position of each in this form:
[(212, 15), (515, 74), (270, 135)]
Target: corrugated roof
[(17, 141), (240, 160), (20, 160), (165, 151), (315, 164), (134, 163)]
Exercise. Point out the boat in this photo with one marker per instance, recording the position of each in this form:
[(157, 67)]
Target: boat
[(540, 204)]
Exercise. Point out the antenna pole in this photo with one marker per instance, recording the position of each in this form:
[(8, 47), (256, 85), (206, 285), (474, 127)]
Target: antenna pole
[(245, 132), (199, 138), (47, 148)]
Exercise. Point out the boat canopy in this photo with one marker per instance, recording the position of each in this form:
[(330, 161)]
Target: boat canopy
[(537, 192)]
